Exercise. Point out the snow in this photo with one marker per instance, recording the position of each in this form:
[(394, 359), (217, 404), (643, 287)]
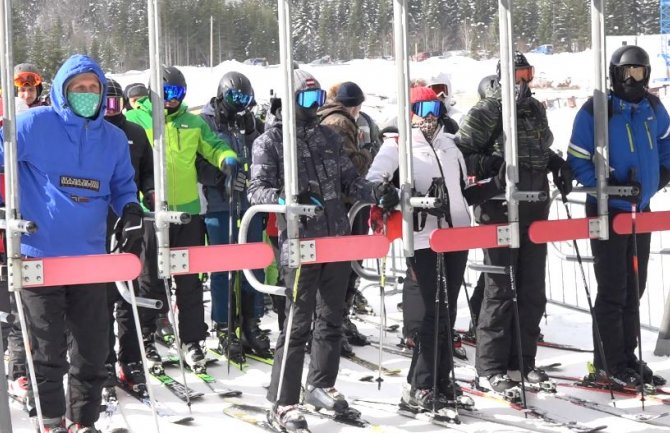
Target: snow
[(573, 73)]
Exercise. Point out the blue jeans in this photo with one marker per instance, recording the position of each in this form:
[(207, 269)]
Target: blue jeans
[(252, 303)]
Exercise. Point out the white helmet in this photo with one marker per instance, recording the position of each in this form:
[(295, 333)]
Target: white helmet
[(441, 84)]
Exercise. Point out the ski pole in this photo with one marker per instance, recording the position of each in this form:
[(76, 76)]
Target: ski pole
[(517, 324), (5, 417), (381, 266), (287, 335), (599, 340), (636, 272), (231, 217)]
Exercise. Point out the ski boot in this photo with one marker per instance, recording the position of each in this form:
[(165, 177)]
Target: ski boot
[(164, 331), (19, 388), (502, 385), (51, 425), (236, 350), (131, 375), (351, 332), (360, 304), (459, 350), (154, 360), (626, 378), (648, 375), (253, 340), (417, 401), (325, 398), (193, 356), (537, 379), (346, 350), (109, 387), (287, 419)]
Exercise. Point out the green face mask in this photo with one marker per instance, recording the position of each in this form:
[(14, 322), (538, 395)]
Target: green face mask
[(84, 104)]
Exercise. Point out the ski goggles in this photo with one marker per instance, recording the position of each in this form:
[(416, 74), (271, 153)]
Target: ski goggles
[(114, 104), (23, 79), (237, 98), (526, 74), (310, 97), (424, 109), (172, 92), (637, 73), (441, 90)]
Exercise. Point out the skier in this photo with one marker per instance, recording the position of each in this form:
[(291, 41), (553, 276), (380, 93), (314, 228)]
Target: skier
[(72, 167), (481, 140), (187, 136), (28, 84), (639, 155), (132, 93), (441, 85), (342, 108), (130, 372), (228, 115), (324, 173), (438, 165)]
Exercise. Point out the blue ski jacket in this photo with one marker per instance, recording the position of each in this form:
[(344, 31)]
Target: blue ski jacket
[(639, 139), (71, 170)]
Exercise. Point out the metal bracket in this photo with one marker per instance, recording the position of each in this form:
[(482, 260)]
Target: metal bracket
[(179, 262), (504, 235), (33, 273), (594, 228), (3, 272), (307, 251)]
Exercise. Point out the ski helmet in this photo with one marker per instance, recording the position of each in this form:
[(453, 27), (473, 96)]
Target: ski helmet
[(487, 86), (235, 92), (174, 84), (629, 55), (27, 74), (520, 62), (113, 88)]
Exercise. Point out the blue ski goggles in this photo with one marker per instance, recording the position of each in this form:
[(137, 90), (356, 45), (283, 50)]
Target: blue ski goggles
[(310, 97), (172, 92), (236, 98), (426, 108)]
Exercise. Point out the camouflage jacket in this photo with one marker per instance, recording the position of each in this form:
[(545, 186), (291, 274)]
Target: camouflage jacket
[(323, 169), (480, 139)]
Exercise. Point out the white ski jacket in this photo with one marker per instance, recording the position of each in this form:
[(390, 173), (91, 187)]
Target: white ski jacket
[(426, 168)]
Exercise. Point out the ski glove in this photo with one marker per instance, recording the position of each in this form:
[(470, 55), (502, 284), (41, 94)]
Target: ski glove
[(149, 200), (130, 229), (245, 122), (228, 165), (311, 198), (563, 179), (387, 196), (239, 181)]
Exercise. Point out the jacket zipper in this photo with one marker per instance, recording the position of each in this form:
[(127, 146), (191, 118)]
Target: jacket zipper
[(630, 138), (651, 142)]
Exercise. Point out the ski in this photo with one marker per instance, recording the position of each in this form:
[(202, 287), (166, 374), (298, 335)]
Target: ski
[(250, 414), (468, 339), (372, 366), (211, 382), (262, 359), (587, 383), (645, 418), (368, 319), (177, 388), (222, 356), (112, 414), (161, 410), (351, 417)]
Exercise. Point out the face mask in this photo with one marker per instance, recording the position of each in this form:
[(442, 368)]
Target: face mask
[(630, 90), (84, 104), (429, 127)]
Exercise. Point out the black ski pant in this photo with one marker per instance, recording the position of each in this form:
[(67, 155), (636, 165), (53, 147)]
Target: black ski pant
[(321, 290), (477, 297), (424, 264), (12, 339), (616, 305), (496, 332), (360, 226), (69, 320), (129, 348), (192, 326), (278, 302)]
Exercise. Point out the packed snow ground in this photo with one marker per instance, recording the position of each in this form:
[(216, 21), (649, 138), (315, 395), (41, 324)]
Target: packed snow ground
[(566, 76)]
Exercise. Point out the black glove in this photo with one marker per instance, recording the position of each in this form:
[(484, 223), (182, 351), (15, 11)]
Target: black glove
[(387, 196), (130, 229), (311, 198), (563, 179), (630, 182), (149, 200), (239, 181), (245, 122), (664, 177)]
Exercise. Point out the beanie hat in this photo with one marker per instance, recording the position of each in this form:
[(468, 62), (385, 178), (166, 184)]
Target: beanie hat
[(419, 94), (349, 94), (303, 80), (136, 90), (113, 88)]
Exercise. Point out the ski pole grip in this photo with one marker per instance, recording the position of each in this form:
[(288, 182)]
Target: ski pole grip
[(7, 317), (425, 202)]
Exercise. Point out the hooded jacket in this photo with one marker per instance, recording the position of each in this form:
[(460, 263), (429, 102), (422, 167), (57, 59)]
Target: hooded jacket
[(335, 115), (186, 136), (323, 168), (71, 170)]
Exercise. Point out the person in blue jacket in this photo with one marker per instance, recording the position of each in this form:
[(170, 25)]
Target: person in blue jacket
[(639, 155), (73, 166)]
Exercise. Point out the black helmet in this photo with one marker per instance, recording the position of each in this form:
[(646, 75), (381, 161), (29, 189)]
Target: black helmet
[(113, 88), (172, 75), (487, 86), (235, 92), (520, 61), (629, 55)]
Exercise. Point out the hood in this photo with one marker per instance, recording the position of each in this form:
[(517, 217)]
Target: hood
[(75, 65), (208, 109), (334, 108)]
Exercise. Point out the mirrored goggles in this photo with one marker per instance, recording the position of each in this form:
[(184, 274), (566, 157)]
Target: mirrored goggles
[(425, 108), (114, 104), (441, 90), (236, 98), (637, 73), (526, 74), (309, 98), (23, 79), (172, 92)]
